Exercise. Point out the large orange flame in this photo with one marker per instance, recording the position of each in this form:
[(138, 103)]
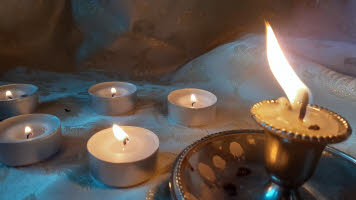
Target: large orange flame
[(281, 68)]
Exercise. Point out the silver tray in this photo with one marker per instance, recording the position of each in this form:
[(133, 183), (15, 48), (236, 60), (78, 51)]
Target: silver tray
[(211, 169)]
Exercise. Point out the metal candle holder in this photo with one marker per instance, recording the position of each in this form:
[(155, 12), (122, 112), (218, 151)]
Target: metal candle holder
[(291, 157), (231, 165), (24, 100)]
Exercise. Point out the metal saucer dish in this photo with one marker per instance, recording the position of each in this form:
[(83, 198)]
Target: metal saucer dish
[(230, 165)]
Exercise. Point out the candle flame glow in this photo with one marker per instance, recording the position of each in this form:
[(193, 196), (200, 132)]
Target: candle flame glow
[(193, 98), (8, 93), (113, 91), (281, 68), (119, 134), (28, 130)]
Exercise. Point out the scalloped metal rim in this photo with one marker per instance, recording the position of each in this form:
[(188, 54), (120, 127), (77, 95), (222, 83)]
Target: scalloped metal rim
[(301, 137), (175, 183)]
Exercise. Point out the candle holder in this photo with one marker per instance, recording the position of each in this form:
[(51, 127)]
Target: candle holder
[(113, 98), (30, 138), (17, 99), (191, 107), (291, 156), (231, 165)]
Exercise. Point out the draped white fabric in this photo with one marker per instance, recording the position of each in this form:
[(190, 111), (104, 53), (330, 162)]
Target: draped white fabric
[(142, 38), (237, 73)]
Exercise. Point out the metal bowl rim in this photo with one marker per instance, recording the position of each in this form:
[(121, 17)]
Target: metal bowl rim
[(175, 180)]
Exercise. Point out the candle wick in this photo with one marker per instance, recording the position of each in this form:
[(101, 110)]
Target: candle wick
[(28, 135), (303, 97), (126, 140), (193, 103)]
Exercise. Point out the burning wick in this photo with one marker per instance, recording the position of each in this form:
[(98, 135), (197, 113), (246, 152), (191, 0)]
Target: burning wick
[(193, 99), (113, 92), (296, 91), (303, 99), (8, 94), (120, 134), (28, 132)]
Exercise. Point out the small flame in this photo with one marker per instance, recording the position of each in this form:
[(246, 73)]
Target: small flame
[(193, 99), (28, 130), (8, 93), (113, 91), (119, 133), (281, 68)]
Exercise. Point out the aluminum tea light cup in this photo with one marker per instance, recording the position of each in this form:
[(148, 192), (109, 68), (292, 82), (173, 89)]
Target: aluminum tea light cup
[(113, 98), (27, 139), (123, 156), (192, 107), (17, 99)]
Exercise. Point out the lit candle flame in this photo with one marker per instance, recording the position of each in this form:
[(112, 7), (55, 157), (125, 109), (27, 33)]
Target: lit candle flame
[(282, 70), (193, 99), (28, 132), (113, 92), (8, 94), (120, 134)]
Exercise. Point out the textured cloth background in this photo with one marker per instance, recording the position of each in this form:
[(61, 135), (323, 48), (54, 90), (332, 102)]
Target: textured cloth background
[(116, 40), (148, 38), (236, 72)]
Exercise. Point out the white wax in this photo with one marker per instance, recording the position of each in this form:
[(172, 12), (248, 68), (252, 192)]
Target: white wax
[(16, 94), (282, 118), (182, 98), (106, 92), (17, 132), (13, 129), (142, 143), (17, 90), (202, 101), (104, 89)]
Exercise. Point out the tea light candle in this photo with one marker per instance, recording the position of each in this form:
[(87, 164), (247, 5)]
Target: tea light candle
[(26, 139), (17, 99), (192, 107), (113, 98), (123, 156)]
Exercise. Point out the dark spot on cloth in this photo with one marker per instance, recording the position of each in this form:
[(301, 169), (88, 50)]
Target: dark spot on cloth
[(24, 95), (243, 171), (314, 127), (67, 110), (230, 189)]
